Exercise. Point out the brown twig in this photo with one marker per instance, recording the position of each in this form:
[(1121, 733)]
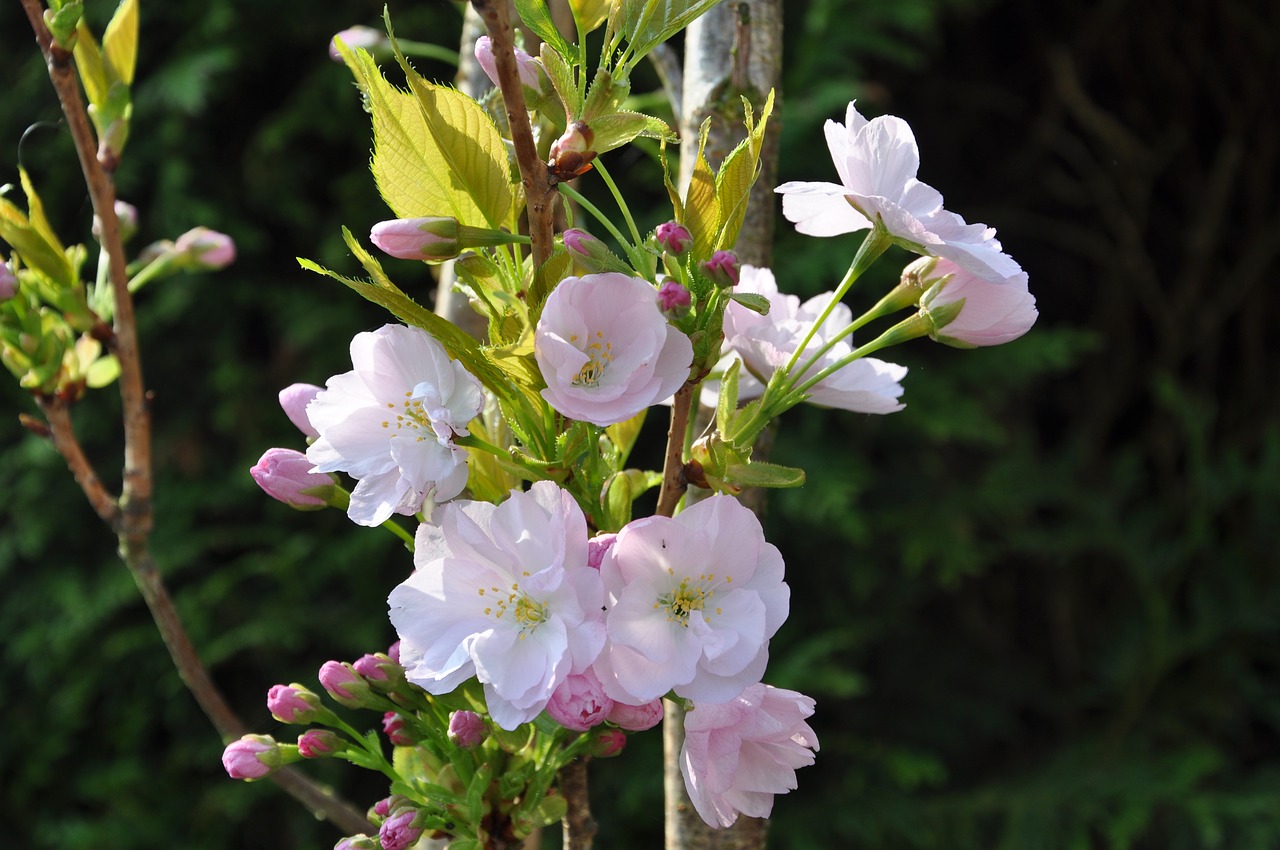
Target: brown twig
[(539, 189), (131, 516), (673, 480), (579, 825)]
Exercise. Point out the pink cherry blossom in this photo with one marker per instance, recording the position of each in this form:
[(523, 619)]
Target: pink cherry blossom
[(502, 593), (579, 702), (737, 755), (398, 831), (877, 161), (317, 743), (251, 757), (466, 729), (692, 602), (428, 238), (767, 343), (390, 423), (989, 313), (292, 703), (530, 69), (206, 249), (605, 350)]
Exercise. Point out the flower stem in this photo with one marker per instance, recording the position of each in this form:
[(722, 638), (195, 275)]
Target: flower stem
[(577, 197), (622, 203)]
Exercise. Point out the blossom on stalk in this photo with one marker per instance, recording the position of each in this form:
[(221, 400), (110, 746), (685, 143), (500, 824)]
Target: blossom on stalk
[(366, 38), (722, 269), (877, 161), (294, 400), (692, 603), (674, 237), (318, 743), (390, 423), (767, 343), (674, 300), (967, 311), (251, 757), (502, 593), (205, 249), (737, 755), (605, 350), (466, 729), (398, 832), (285, 475), (579, 702), (293, 704), (428, 238)]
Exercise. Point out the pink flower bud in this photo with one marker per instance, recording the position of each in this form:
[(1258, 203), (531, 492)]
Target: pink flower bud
[(206, 249), (318, 743), (722, 269), (356, 842), (393, 728), (8, 282), (430, 238), (606, 743), (398, 832), (597, 546), (393, 652), (591, 253), (530, 69), (342, 683), (579, 702), (294, 400), (673, 299), (674, 237), (636, 718), (127, 215), (571, 154), (285, 475), (367, 38), (292, 704), (251, 757), (371, 667), (466, 729)]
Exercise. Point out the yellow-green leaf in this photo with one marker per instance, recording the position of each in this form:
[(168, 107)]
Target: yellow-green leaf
[(737, 175), (31, 237), (411, 171), (589, 14), (120, 41), (623, 434), (93, 71), (701, 207)]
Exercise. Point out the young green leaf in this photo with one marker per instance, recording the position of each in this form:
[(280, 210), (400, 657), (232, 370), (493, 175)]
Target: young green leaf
[(537, 17), (701, 207), (738, 174), (120, 42)]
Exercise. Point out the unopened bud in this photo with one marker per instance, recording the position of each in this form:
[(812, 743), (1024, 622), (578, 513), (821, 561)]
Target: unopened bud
[(597, 546), (466, 729), (318, 743), (674, 300), (571, 154), (606, 743), (674, 237), (285, 475), (592, 254), (356, 842), (127, 215), (8, 282), (579, 702), (429, 238), (293, 704), (636, 718), (532, 77), (398, 831), (722, 269), (294, 400), (206, 249), (342, 683), (393, 728), (252, 757)]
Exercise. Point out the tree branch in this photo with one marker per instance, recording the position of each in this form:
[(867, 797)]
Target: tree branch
[(673, 480), (579, 825), (539, 188)]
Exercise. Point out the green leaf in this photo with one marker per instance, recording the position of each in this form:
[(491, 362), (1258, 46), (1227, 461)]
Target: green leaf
[(623, 435), (753, 301), (727, 403), (412, 172), (701, 207), (380, 290), (738, 174), (468, 141), (562, 79), (616, 501), (89, 62), (589, 14), (537, 17), (120, 42), (615, 130), (102, 372), (764, 475), (604, 97), (33, 239), (648, 23)]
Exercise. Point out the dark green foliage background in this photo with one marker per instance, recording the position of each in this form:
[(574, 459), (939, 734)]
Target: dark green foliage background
[(1038, 608)]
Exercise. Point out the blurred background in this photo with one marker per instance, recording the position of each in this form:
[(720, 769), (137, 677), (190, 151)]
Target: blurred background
[(1039, 608)]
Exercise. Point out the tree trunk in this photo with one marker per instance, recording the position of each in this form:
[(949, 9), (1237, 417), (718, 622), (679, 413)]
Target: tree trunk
[(730, 52)]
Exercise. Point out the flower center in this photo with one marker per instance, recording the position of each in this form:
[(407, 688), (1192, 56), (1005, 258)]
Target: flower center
[(527, 612), (414, 415), (600, 352), (689, 596)]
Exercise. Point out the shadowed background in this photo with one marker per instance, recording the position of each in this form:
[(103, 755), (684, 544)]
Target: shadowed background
[(1038, 608)]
